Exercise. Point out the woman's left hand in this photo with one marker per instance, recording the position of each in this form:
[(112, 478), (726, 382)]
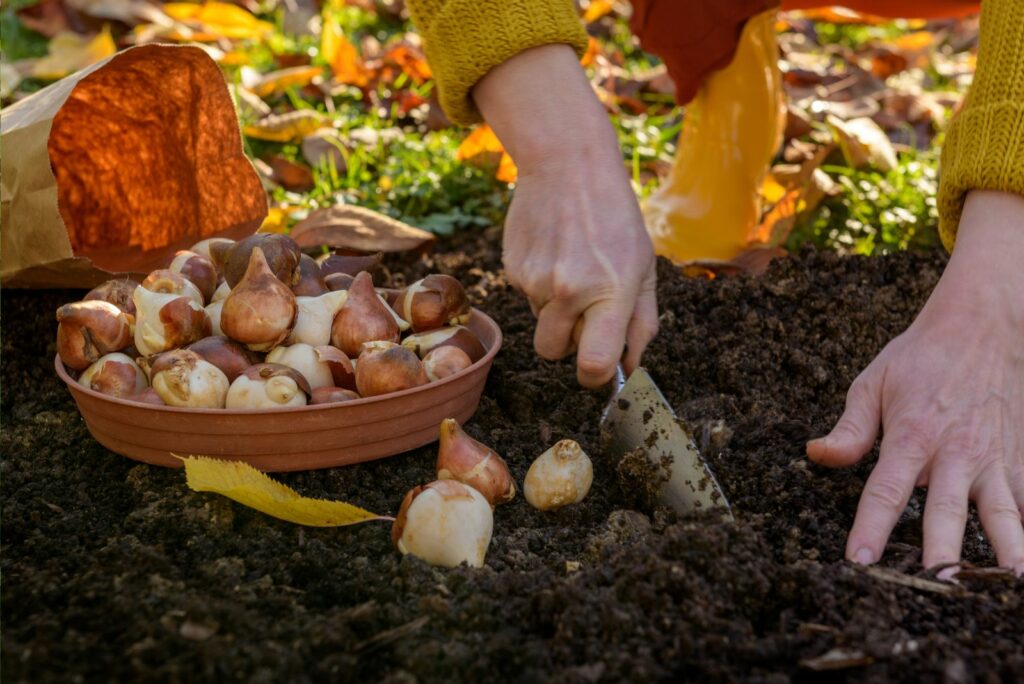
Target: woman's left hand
[(949, 393)]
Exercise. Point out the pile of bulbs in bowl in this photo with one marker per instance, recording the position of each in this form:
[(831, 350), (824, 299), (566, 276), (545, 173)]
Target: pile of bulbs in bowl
[(256, 324)]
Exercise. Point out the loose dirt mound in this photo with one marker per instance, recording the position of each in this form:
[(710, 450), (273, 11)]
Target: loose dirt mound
[(115, 571)]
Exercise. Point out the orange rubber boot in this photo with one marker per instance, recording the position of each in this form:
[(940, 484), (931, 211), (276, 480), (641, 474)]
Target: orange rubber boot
[(710, 204)]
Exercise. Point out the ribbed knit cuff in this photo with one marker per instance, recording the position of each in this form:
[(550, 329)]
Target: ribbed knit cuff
[(984, 147), (467, 38)]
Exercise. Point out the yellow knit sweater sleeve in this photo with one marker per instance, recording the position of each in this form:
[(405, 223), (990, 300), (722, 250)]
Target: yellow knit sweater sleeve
[(464, 39), (984, 147)]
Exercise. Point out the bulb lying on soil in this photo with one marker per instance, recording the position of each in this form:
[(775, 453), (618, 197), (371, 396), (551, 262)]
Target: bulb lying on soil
[(560, 476), (183, 378), (268, 385), (115, 375), (462, 458), (88, 330), (445, 523)]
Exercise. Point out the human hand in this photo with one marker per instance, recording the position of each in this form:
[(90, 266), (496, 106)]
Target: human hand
[(950, 394), (575, 242)]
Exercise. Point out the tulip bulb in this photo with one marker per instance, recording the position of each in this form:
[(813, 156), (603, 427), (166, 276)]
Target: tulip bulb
[(147, 396), (199, 270), (279, 251), (227, 355), (315, 317), (305, 359), (183, 378), (207, 246), (385, 367), (221, 293), (454, 336), (310, 280), (338, 281), (445, 361), (166, 281), (268, 385), (560, 476), (444, 523), (260, 311), (213, 312), (343, 370), (332, 395), (462, 458), (349, 264), (167, 321), (115, 375), (433, 302), (117, 292), (362, 318), (88, 330)]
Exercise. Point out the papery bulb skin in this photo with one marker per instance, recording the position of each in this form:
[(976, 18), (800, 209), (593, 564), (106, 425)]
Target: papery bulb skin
[(88, 330), (455, 336), (213, 312), (166, 281), (206, 248), (338, 281), (385, 367), (226, 354), (343, 371), (332, 395), (183, 378), (310, 282), (279, 252), (261, 310), (559, 477), (444, 362), (462, 458), (362, 318), (147, 396), (115, 375), (433, 302), (349, 264), (167, 321), (305, 359), (199, 270), (315, 317), (221, 293), (118, 292), (268, 386), (445, 523)]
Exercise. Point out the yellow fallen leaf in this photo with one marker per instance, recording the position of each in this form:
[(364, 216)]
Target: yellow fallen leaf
[(482, 147), (597, 9), (863, 143), (248, 486), (277, 82), (69, 52), (507, 171), (290, 127), (275, 222), (339, 52), (217, 20)]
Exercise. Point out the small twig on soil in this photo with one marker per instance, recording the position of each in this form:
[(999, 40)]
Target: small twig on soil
[(896, 577), (837, 659), (993, 575), (391, 635)]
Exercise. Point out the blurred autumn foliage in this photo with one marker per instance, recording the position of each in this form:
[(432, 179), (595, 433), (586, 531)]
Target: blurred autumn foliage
[(337, 106)]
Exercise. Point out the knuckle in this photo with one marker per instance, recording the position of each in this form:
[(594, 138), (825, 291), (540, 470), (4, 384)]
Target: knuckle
[(947, 506), (911, 436), (1004, 510), (887, 493), (593, 364)]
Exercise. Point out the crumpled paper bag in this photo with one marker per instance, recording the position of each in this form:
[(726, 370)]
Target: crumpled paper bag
[(114, 168)]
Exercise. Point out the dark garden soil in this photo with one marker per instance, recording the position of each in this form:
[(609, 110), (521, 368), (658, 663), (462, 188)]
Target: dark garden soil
[(115, 571)]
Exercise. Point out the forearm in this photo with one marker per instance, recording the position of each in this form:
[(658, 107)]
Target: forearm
[(544, 110)]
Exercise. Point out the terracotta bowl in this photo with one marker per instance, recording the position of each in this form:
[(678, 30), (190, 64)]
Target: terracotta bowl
[(302, 438)]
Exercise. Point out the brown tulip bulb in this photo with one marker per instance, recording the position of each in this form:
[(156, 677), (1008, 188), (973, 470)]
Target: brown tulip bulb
[(88, 330), (166, 281), (342, 370), (349, 264), (147, 396), (197, 269), (338, 281), (385, 367), (117, 292), (261, 310), (310, 280), (208, 246), (444, 523), (268, 385), (462, 458), (454, 336), (362, 318), (183, 378), (279, 251), (434, 302), (168, 321), (227, 355), (332, 395), (115, 375), (445, 361), (315, 318)]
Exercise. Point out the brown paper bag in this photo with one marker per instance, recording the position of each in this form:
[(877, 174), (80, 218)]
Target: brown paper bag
[(113, 169)]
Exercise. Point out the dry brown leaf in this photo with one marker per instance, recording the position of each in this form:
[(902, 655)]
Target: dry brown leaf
[(411, 61), (324, 145), (350, 227), (290, 175), (289, 127), (48, 17), (863, 143), (341, 54)]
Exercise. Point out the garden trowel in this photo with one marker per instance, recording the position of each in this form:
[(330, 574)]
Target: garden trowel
[(639, 416)]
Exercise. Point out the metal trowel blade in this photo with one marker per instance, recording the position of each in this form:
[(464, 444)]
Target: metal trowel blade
[(639, 416)]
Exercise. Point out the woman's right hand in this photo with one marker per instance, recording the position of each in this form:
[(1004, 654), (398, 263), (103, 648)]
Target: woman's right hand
[(575, 242)]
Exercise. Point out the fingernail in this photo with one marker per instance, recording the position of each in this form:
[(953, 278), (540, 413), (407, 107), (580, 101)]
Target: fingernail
[(864, 556), (947, 574)]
